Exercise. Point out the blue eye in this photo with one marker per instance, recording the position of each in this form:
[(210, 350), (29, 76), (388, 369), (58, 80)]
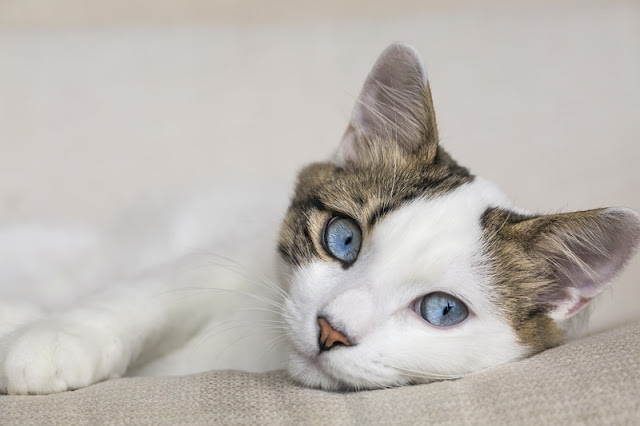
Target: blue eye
[(342, 239), (443, 309)]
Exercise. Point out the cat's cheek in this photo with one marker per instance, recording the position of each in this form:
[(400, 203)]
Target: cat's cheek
[(302, 332), (302, 370), (308, 285)]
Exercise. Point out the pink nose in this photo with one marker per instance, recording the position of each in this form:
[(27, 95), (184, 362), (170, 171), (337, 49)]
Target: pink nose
[(330, 337)]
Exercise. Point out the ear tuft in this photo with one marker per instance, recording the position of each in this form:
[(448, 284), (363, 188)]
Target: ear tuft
[(394, 108)]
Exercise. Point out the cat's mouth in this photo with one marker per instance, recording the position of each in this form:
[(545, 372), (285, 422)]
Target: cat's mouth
[(328, 372)]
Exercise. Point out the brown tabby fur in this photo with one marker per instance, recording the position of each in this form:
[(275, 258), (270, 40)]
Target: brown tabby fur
[(365, 194)]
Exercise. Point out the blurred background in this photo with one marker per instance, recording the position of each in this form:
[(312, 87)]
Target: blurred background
[(104, 103)]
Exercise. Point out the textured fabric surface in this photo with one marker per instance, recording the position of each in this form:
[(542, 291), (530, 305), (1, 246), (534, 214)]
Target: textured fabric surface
[(591, 381)]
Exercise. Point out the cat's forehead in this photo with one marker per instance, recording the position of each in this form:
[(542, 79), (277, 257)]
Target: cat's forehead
[(390, 178), (431, 245), (448, 225), (427, 237), (365, 194)]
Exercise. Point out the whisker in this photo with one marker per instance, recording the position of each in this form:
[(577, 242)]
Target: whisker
[(271, 346), (245, 323), (282, 314), (205, 335), (231, 266), (228, 290), (238, 340), (438, 376), (260, 280), (250, 333)]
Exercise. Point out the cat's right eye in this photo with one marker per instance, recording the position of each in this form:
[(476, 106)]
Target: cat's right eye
[(342, 238), (442, 309)]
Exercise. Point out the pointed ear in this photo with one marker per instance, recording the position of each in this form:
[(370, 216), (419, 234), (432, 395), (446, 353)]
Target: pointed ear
[(394, 108), (585, 252)]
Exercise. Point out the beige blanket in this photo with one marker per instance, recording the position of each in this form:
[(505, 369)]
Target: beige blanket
[(595, 380)]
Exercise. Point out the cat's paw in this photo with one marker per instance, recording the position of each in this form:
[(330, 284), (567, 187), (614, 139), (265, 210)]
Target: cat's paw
[(55, 356)]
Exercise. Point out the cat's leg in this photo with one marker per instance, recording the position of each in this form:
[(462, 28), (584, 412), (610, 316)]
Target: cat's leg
[(104, 336)]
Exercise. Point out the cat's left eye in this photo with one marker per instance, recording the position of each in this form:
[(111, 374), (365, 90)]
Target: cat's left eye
[(342, 238), (442, 309)]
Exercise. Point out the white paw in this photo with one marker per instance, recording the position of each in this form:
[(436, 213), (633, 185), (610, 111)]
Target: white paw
[(55, 356)]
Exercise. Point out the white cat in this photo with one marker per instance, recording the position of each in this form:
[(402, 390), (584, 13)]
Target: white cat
[(394, 265)]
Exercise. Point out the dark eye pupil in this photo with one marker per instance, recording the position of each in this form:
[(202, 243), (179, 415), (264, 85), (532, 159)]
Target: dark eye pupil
[(446, 309), (348, 240)]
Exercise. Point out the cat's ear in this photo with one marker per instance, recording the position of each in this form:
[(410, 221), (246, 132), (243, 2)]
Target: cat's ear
[(585, 251), (394, 108)]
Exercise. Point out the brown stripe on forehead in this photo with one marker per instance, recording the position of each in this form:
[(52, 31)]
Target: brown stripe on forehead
[(310, 202), (295, 245), (379, 213), (366, 194), (442, 176), (518, 279)]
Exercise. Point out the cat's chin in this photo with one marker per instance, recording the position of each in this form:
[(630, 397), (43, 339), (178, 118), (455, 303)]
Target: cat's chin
[(316, 373), (312, 376)]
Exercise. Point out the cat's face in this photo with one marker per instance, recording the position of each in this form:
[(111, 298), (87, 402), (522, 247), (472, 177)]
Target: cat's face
[(402, 267)]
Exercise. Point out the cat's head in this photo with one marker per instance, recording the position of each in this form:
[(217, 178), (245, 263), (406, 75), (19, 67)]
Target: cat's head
[(403, 267)]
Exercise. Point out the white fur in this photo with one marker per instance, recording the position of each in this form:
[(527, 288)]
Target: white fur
[(423, 247), (151, 296)]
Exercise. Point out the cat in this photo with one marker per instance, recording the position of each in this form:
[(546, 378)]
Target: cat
[(393, 265)]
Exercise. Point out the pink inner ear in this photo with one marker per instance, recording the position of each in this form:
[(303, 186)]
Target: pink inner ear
[(575, 308), (567, 307)]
